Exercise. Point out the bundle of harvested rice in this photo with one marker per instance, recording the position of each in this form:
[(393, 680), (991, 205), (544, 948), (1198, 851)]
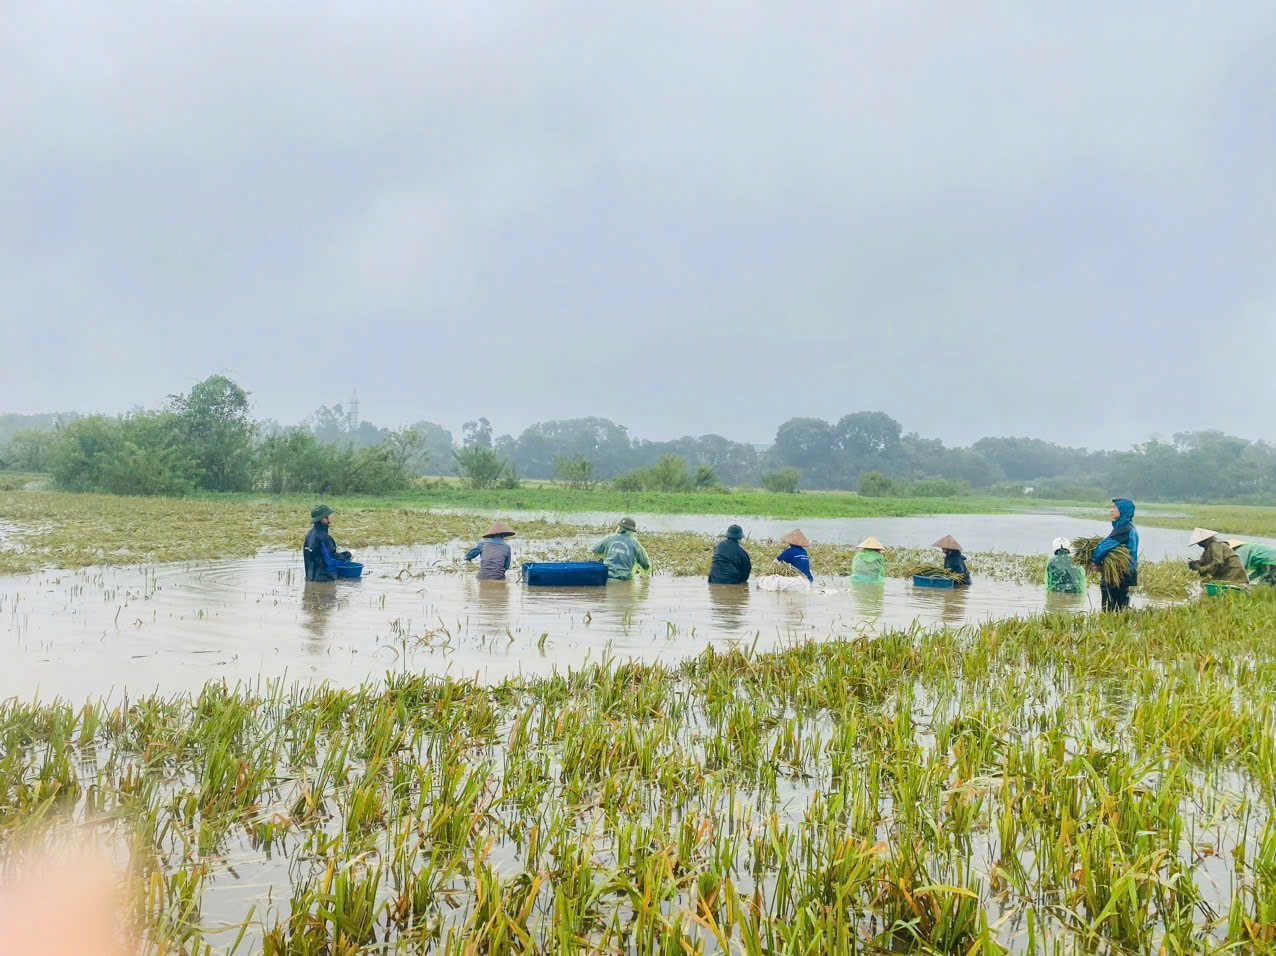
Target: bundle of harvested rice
[(784, 570), (932, 571), (1116, 563)]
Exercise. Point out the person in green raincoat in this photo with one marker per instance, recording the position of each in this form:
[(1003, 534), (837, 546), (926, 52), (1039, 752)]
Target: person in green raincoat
[(1062, 576), (1259, 561), (869, 566)]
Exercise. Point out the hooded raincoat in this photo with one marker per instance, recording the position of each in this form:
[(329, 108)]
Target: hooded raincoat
[(956, 561), (1259, 561), (321, 555), (1123, 533), (1064, 577), (868, 567), (621, 552)]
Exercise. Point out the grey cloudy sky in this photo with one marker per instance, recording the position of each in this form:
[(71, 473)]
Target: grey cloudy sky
[(1030, 218)]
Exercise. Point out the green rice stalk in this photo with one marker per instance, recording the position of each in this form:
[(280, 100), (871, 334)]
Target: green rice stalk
[(1116, 563)]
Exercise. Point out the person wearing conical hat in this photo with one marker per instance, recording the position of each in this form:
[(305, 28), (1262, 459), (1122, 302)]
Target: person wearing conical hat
[(869, 564), (494, 552), (319, 552), (622, 551), (731, 563), (954, 560), (1217, 562), (1259, 560), (795, 555), (1062, 575)]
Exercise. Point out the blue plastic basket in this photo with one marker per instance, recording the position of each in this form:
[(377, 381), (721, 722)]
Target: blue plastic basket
[(349, 569), (565, 574), (926, 581)]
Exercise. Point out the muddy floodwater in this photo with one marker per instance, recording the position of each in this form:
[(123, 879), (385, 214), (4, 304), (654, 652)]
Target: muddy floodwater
[(173, 627)]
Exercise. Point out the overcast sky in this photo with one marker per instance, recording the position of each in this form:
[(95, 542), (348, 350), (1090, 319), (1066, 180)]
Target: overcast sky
[(1024, 218)]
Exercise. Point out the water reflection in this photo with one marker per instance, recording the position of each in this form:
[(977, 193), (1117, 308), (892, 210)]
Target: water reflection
[(318, 602), (493, 601), (869, 600), (947, 604), (1058, 603), (728, 605), (623, 600)]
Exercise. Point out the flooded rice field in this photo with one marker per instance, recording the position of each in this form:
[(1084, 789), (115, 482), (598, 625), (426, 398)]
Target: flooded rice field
[(171, 627), (1002, 533)]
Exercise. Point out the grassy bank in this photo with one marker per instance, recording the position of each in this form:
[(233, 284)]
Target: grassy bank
[(1061, 784)]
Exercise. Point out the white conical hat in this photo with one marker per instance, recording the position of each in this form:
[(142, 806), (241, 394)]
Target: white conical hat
[(1201, 534), (1058, 543)]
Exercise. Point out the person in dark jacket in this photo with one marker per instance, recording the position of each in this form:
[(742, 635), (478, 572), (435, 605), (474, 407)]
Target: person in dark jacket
[(1218, 562), (796, 555), (1117, 597), (320, 551), (731, 564), (495, 551), (954, 560)]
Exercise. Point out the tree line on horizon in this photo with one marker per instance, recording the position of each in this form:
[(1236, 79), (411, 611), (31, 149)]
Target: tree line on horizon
[(206, 440)]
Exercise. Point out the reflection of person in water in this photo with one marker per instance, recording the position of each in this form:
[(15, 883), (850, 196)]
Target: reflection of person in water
[(493, 601), (729, 606), (317, 604), (622, 600)]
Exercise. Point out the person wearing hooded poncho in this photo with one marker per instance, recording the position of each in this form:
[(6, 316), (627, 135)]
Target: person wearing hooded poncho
[(1259, 561), (494, 553), (1123, 533), (869, 564), (1062, 576), (796, 555), (954, 560), (622, 552), (1218, 562)]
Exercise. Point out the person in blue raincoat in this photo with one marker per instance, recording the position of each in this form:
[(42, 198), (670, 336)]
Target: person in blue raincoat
[(796, 555), (1117, 597), (319, 551)]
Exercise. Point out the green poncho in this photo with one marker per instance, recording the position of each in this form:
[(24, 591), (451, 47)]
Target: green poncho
[(1259, 561), (869, 567), (1064, 577)]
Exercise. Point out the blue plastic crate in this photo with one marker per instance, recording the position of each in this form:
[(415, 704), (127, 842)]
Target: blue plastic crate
[(926, 581), (565, 574), (349, 569)]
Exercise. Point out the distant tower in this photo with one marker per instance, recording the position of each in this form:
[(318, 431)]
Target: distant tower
[(352, 411)]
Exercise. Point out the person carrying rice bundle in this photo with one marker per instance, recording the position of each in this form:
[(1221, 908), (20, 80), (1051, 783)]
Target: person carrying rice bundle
[(869, 565), (1116, 594), (1218, 562)]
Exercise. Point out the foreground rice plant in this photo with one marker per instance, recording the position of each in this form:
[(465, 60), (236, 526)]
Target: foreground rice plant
[(1059, 784)]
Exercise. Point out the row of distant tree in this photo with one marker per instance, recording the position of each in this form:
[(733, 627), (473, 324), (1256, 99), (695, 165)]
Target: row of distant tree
[(207, 440)]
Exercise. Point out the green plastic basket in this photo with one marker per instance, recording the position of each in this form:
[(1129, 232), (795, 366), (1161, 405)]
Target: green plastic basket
[(1215, 588)]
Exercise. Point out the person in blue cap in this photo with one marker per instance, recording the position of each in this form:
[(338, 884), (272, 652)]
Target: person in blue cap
[(1116, 597), (731, 564), (320, 551)]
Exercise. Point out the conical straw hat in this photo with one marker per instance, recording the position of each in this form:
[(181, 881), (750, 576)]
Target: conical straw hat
[(948, 543), (870, 544), (499, 530), (796, 537), (1235, 543), (1201, 534)]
